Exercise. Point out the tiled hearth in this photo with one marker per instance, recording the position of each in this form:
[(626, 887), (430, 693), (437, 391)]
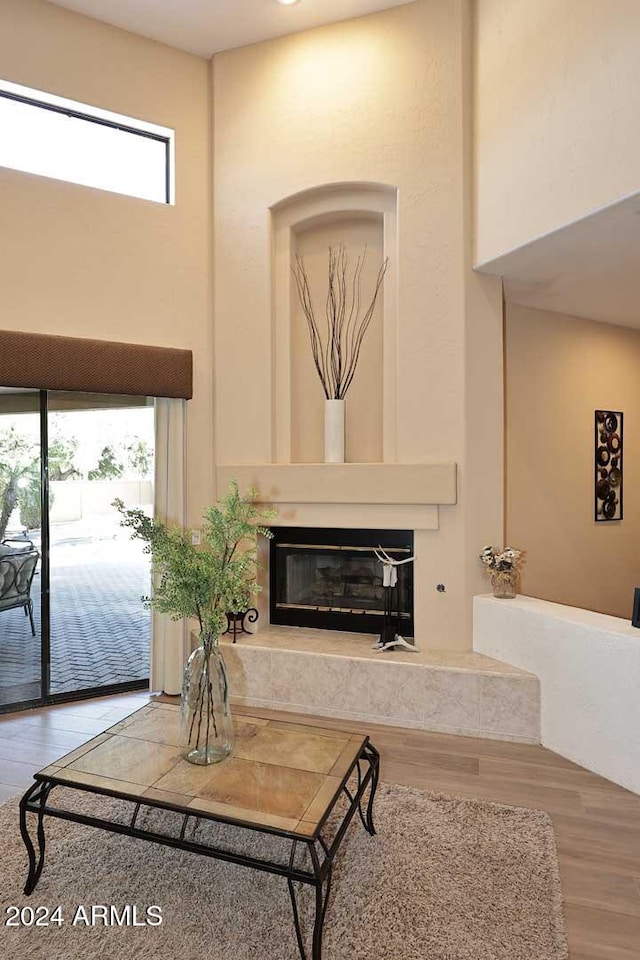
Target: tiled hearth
[(337, 674)]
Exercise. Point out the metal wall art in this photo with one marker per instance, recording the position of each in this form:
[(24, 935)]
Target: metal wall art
[(608, 465)]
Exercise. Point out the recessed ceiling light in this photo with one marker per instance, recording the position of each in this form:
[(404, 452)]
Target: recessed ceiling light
[(288, 3)]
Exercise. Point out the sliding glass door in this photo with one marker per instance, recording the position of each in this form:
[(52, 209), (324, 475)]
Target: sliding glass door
[(20, 547), (77, 454)]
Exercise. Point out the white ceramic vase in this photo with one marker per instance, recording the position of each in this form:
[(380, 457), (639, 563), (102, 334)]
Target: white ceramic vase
[(334, 431)]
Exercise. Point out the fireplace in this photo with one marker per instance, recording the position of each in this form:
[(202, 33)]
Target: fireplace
[(331, 578)]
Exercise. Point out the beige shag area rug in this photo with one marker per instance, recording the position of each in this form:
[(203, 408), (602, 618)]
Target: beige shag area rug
[(444, 879)]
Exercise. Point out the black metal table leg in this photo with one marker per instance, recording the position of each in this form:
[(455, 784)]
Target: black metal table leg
[(374, 760), (323, 892), (322, 887), (371, 755), (294, 901), (38, 793)]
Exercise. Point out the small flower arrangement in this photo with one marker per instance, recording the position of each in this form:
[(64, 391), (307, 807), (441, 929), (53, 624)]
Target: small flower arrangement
[(508, 559), (503, 567)]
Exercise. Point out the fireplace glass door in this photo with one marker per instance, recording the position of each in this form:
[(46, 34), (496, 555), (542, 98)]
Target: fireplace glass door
[(331, 578)]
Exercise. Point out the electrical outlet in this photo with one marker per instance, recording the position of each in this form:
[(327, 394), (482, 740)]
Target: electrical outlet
[(195, 538)]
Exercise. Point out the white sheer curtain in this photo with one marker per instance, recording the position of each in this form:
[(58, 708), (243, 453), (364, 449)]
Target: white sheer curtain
[(168, 637)]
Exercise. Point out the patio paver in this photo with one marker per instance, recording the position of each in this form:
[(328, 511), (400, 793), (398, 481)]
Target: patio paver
[(100, 631)]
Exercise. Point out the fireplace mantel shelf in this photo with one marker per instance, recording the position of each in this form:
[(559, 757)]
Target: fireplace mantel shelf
[(420, 484)]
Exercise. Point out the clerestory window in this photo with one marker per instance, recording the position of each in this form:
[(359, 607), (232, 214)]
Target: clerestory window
[(51, 136)]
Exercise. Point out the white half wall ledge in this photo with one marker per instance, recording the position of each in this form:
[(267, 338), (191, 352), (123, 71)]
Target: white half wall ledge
[(589, 670), (347, 483)]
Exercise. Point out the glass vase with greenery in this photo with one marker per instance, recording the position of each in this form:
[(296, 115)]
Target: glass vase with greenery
[(204, 582)]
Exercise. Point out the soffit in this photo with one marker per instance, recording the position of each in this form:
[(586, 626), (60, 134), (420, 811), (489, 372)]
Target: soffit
[(587, 269)]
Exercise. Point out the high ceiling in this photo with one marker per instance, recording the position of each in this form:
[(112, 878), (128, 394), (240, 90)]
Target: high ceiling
[(588, 269), (206, 27)]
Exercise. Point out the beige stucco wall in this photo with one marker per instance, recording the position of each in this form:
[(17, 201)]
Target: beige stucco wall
[(558, 371), (382, 99), (557, 101), (85, 262)]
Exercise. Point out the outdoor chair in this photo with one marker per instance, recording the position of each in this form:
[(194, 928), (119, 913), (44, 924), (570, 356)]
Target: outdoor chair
[(19, 542), (17, 569)]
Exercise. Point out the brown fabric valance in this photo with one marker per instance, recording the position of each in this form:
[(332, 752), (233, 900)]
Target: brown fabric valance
[(47, 362)]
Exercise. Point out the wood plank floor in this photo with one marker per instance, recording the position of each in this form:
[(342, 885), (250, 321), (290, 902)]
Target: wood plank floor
[(597, 824)]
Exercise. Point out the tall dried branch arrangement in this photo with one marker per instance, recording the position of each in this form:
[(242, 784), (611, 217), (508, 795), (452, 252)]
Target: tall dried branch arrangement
[(336, 347)]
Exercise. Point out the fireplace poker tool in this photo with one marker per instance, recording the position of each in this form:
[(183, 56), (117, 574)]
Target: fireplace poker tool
[(389, 637)]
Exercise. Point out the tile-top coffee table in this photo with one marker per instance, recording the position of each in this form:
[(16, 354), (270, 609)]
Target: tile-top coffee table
[(283, 779)]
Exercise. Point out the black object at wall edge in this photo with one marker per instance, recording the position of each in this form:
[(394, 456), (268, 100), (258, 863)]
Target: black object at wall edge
[(635, 618)]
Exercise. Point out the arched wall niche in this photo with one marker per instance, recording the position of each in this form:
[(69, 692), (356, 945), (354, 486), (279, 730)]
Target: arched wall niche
[(308, 223)]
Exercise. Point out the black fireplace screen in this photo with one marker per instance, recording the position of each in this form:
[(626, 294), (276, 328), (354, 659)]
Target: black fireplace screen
[(331, 578)]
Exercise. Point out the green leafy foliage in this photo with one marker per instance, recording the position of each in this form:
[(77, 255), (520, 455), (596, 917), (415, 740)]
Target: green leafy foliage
[(207, 581), (30, 504), (109, 467), (19, 473), (139, 456), (62, 453)]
